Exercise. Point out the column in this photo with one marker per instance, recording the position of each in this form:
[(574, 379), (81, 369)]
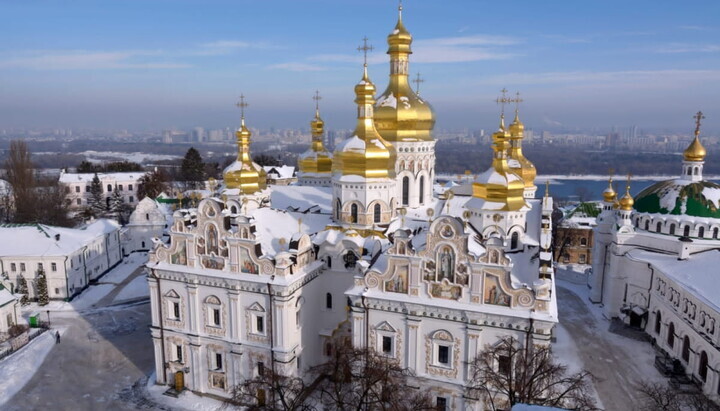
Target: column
[(193, 308), (413, 325), (233, 315)]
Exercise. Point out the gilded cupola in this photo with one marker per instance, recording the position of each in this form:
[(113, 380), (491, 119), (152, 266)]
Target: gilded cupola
[(626, 202), (366, 153), (696, 151), (316, 160), (609, 194), (499, 184), (519, 164), (243, 174), (400, 114)]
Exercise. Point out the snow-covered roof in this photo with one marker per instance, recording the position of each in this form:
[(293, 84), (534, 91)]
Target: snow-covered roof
[(6, 297), (40, 240), (281, 171), (302, 198), (693, 274), (272, 225), (70, 178)]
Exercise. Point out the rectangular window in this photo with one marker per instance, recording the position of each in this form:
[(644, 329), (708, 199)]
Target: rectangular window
[(583, 258), (13, 267), (261, 368), (57, 291), (77, 189), (387, 344), (176, 309), (218, 361), (53, 266), (443, 354), (120, 187), (87, 189), (260, 325), (504, 365), (261, 397), (441, 403), (216, 316), (40, 266), (78, 201), (131, 199), (178, 353), (130, 188), (22, 266)]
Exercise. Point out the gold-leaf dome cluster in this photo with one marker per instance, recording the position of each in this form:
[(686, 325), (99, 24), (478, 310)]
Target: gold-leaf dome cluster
[(366, 153), (499, 184), (518, 162), (317, 160), (243, 174), (400, 114)]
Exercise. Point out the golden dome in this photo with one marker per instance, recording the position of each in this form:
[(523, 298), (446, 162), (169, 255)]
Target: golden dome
[(499, 184), (317, 159), (243, 174), (366, 153), (695, 151), (400, 114), (626, 202), (521, 165), (609, 194)]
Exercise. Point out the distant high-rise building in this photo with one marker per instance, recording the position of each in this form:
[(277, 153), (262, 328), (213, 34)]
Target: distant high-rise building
[(198, 134)]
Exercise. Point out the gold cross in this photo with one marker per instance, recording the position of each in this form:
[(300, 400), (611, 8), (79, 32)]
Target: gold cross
[(317, 99), (365, 48), (242, 104), (517, 100), (628, 182), (503, 100), (417, 82), (699, 116)]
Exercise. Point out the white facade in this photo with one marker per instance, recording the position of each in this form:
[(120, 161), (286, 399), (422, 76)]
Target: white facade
[(77, 186), (70, 258), (415, 170), (146, 222), (9, 310)]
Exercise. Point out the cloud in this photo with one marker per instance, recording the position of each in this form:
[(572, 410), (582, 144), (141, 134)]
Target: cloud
[(630, 78), (695, 28), (86, 60), (688, 48), (297, 66), (224, 47)]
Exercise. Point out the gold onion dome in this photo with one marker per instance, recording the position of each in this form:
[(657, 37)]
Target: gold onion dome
[(696, 151), (243, 174), (366, 153), (400, 114), (519, 163), (317, 159), (626, 202), (609, 194), (499, 184)]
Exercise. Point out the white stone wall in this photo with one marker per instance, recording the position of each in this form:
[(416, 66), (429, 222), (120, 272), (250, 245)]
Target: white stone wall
[(415, 160)]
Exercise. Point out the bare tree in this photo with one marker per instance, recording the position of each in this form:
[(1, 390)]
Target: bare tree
[(270, 391), (152, 184), (509, 373), (20, 174), (661, 397), (362, 379)]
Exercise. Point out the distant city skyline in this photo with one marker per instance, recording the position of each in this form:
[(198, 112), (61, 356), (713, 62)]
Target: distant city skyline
[(161, 64)]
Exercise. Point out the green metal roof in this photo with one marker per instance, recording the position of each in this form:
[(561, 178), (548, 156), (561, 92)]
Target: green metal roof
[(677, 197)]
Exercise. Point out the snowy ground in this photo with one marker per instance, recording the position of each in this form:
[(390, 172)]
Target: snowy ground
[(137, 288), (185, 401)]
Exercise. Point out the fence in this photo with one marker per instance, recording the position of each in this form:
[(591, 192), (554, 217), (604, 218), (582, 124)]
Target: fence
[(32, 333)]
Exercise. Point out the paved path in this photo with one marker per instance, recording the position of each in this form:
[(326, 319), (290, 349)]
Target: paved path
[(108, 299), (619, 363)]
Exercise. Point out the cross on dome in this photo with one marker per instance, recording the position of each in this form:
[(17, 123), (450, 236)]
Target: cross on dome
[(317, 99), (242, 104), (698, 117), (364, 49), (417, 82)]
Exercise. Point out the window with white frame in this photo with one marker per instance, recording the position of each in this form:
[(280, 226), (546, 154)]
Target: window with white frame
[(172, 301), (443, 349), (442, 354), (13, 267), (386, 344), (53, 266), (178, 353), (213, 309), (386, 339)]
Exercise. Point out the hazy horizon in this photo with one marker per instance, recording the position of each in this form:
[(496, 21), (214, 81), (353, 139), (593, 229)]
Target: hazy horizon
[(161, 64)]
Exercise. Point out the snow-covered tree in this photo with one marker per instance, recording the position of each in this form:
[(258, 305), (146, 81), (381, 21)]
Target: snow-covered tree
[(116, 202), (96, 200), (22, 288), (41, 288)]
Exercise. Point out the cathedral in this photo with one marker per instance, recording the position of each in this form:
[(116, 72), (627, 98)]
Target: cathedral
[(366, 248), (654, 265)]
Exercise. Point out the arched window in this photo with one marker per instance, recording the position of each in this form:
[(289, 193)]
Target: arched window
[(671, 335), (514, 240), (686, 349), (647, 225), (233, 210), (659, 227), (703, 366), (658, 322), (338, 209), (405, 190), (689, 171), (672, 229), (701, 232), (109, 188), (583, 242), (695, 171), (212, 239), (686, 231), (328, 301), (354, 213), (422, 189), (376, 212), (715, 233)]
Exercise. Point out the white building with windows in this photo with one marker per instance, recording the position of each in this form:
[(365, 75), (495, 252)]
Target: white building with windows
[(237, 290), (149, 220), (77, 186), (9, 310), (655, 260), (69, 257)]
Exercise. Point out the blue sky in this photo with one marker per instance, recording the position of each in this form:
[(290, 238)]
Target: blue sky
[(162, 63)]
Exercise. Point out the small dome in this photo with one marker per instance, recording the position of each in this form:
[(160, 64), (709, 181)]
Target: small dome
[(695, 151), (680, 197), (609, 194), (626, 202)]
